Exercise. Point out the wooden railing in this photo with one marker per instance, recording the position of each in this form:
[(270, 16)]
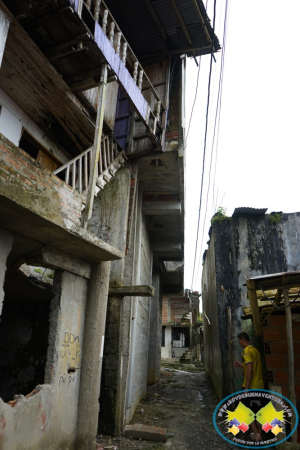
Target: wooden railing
[(102, 15), (77, 171)]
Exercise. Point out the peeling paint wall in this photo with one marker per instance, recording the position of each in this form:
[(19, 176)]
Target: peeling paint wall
[(240, 247)]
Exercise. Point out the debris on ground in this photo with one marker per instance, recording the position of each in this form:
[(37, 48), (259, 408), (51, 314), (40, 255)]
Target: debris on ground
[(182, 402)]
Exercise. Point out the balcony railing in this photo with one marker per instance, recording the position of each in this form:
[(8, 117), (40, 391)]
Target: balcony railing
[(76, 173), (153, 115)]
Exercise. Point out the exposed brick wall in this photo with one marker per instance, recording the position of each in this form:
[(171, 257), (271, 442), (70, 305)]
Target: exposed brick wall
[(177, 307), (274, 333), (20, 173)]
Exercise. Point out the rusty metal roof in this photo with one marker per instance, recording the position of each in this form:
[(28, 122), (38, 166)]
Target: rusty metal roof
[(153, 27), (244, 211)]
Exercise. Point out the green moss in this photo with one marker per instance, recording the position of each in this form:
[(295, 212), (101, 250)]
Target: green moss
[(275, 218), (219, 216), (38, 270)]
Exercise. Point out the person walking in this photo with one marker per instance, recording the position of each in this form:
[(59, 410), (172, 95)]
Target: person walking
[(253, 378)]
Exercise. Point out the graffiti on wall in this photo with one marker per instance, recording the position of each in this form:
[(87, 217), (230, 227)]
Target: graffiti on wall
[(70, 354)]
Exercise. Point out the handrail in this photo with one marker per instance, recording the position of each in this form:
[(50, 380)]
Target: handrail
[(78, 169)]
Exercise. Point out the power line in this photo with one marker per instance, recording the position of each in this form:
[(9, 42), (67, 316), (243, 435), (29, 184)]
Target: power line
[(216, 128), (205, 138)]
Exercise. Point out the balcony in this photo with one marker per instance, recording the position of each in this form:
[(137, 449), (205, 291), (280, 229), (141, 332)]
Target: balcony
[(76, 37)]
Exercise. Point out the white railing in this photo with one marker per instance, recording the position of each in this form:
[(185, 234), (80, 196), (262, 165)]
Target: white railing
[(77, 171), (102, 15)]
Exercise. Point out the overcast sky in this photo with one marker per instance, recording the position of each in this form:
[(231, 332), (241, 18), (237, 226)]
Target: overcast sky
[(258, 150)]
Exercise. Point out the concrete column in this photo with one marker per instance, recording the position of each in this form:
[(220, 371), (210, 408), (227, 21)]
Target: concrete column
[(155, 330), (93, 343), (4, 26), (6, 241), (110, 417)]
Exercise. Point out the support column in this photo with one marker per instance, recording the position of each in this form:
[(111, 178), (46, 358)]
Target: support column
[(96, 146), (4, 26), (154, 353), (6, 241), (94, 331)]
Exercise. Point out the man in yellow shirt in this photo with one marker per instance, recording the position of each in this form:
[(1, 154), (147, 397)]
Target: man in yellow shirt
[(252, 374)]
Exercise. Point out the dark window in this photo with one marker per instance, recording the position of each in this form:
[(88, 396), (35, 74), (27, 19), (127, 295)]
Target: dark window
[(267, 348), (270, 376), (163, 336), (180, 337)]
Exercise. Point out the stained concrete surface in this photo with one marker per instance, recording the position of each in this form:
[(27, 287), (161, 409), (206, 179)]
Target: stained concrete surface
[(182, 401)]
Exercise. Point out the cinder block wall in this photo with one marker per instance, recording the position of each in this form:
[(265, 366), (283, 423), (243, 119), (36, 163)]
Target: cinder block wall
[(274, 332)]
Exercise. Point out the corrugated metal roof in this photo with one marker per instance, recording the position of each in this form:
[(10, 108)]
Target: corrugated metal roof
[(244, 211), (145, 37)]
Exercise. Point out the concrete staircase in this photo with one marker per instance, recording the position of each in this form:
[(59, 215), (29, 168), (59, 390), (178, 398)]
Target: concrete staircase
[(186, 357)]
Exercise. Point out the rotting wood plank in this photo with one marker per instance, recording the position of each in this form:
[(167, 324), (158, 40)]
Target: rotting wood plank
[(131, 291), (25, 70)]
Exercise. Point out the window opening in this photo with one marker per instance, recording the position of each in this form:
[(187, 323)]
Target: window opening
[(24, 330), (180, 337), (31, 146), (270, 376), (267, 348)]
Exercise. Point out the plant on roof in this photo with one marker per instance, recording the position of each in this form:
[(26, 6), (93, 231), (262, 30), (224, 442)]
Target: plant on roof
[(219, 216), (275, 218)]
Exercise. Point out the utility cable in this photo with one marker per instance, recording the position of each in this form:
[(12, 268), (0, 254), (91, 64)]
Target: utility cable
[(205, 139), (216, 129)]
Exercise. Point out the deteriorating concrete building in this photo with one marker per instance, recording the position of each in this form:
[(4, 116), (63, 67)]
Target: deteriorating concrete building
[(252, 248), (91, 207)]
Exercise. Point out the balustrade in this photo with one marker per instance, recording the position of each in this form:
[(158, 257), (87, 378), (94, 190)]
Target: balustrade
[(77, 171), (110, 28)]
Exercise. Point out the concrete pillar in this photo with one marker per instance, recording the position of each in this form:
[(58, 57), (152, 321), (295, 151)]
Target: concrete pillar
[(93, 344), (6, 241), (154, 353), (4, 26), (110, 417)]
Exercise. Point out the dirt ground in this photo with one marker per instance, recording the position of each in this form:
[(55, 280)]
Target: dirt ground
[(183, 402)]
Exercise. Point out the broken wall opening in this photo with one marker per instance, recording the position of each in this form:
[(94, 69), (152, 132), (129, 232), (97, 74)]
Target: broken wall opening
[(24, 330)]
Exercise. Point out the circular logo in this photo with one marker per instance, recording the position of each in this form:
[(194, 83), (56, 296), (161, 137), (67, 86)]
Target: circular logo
[(255, 418)]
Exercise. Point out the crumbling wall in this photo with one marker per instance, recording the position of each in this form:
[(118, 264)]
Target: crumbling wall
[(35, 188), (48, 419)]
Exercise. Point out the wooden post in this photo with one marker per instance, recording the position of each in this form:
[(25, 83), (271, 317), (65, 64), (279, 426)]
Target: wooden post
[(254, 307), (291, 365), (96, 146)]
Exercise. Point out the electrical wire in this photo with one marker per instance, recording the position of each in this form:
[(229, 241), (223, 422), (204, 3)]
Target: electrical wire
[(276, 306), (205, 139), (216, 129)]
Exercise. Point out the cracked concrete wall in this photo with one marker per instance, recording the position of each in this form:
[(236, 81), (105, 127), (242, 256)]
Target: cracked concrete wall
[(48, 419), (241, 247)]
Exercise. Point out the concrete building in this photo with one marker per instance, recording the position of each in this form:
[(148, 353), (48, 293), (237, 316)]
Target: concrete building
[(181, 336), (250, 247), (91, 208)]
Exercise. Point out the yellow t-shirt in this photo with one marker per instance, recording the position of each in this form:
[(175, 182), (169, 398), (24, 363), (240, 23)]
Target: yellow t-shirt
[(251, 355)]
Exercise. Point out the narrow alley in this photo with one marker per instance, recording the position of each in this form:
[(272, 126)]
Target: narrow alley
[(182, 402)]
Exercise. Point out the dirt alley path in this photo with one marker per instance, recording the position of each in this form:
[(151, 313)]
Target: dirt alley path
[(182, 401)]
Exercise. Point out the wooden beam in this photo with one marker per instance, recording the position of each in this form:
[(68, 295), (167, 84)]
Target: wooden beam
[(133, 291), (52, 51), (254, 308), (156, 19), (291, 359), (202, 21), (181, 21)]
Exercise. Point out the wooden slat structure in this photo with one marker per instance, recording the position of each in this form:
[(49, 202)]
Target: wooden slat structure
[(271, 293)]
